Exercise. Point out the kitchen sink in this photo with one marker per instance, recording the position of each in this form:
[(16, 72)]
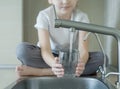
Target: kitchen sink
[(59, 83)]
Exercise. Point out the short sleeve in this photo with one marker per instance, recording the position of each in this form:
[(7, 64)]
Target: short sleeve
[(80, 16), (85, 19), (41, 21)]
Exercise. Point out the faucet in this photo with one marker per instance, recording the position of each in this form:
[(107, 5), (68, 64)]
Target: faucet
[(95, 29)]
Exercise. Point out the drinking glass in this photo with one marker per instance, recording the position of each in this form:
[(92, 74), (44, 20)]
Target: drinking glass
[(69, 61)]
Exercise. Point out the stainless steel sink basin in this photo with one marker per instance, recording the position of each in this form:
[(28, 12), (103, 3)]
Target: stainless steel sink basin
[(59, 83)]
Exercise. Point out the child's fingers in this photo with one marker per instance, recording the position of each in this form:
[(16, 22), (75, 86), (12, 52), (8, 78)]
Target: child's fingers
[(56, 60), (80, 68), (58, 72), (57, 66)]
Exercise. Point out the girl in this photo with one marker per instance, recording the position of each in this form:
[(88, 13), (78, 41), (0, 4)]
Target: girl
[(43, 59)]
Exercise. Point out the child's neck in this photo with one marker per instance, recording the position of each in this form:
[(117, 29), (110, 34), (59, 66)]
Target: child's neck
[(67, 17)]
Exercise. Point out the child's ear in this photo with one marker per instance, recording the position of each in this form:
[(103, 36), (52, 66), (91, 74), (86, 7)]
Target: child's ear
[(50, 1)]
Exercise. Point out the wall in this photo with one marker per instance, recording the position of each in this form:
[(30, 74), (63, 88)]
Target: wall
[(95, 12), (31, 10), (10, 30)]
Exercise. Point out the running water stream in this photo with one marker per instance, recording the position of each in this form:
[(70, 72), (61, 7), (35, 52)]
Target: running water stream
[(71, 44)]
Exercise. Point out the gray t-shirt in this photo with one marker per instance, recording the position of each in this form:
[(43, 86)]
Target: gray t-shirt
[(59, 37)]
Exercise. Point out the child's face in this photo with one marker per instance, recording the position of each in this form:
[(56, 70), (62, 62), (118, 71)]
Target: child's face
[(64, 6)]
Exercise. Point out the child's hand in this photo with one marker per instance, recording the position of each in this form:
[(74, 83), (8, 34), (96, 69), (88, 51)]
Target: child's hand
[(57, 68), (80, 68)]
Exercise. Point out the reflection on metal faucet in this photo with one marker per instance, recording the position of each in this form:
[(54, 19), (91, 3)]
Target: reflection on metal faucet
[(112, 73)]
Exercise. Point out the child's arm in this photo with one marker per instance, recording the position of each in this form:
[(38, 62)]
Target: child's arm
[(44, 41), (83, 48), (47, 55)]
